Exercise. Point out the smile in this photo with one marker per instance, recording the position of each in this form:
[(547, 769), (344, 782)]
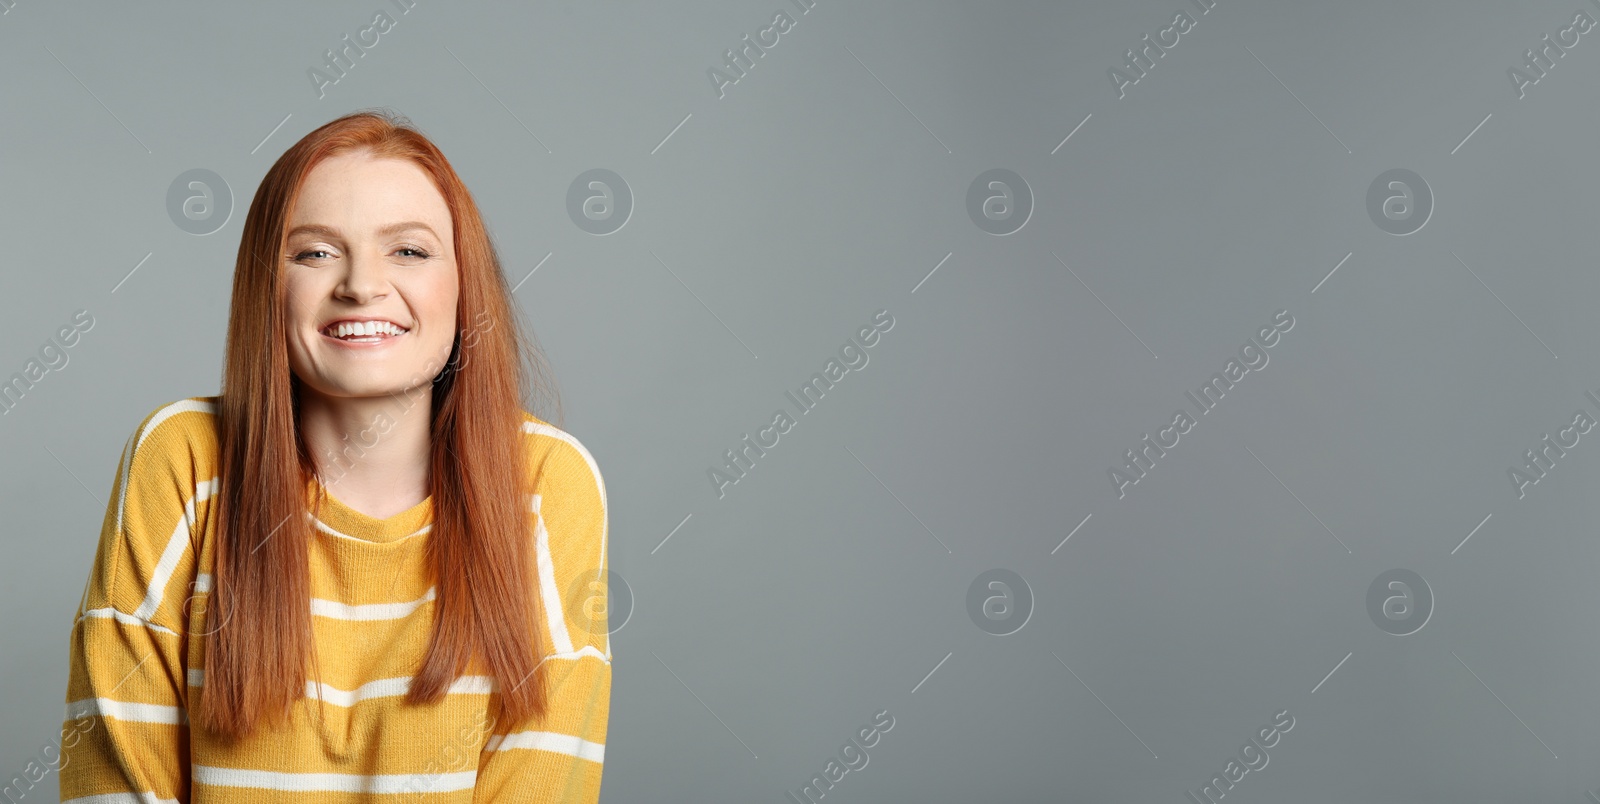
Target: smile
[(363, 332)]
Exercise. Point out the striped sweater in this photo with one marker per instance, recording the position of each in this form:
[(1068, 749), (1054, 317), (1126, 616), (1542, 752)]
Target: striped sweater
[(137, 651)]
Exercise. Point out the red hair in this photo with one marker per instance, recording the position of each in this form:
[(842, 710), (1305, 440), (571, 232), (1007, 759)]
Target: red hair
[(256, 659)]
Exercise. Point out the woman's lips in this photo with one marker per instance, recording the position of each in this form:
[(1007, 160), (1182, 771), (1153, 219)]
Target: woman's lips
[(365, 342)]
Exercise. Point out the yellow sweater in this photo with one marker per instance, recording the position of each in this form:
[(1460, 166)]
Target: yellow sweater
[(138, 653)]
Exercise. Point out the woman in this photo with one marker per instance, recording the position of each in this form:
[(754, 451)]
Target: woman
[(360, 570)]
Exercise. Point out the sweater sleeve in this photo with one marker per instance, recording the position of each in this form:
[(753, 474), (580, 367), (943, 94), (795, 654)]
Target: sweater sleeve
[(126, 732), (558, 754)]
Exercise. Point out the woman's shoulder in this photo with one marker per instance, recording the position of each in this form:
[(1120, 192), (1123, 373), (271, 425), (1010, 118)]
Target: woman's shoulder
[(544, 439), (179, 436), (560, 461), (167, 470)]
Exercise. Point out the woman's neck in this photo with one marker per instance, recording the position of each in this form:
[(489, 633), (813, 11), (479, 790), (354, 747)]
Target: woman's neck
[(372, 453)]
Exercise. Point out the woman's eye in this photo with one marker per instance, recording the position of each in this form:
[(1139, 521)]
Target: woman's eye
[(415, 251), (307, 254)]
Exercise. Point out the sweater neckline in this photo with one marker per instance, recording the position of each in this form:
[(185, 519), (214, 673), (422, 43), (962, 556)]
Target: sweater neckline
[(340, 519)]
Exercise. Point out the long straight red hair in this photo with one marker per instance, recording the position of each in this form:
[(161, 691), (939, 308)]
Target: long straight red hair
[(479, 548)]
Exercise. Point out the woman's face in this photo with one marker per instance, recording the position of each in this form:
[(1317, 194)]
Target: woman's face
[(369, 240)]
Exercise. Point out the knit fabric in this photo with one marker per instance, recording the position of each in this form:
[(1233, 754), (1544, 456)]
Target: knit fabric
[(138, 647)]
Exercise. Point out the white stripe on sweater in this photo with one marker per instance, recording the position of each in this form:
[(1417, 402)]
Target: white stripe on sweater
[(335, 610), (126, 711), (560, 639), (471, 685), (605, 513), (586, 650), (382, 688), (325, 528), (127, 619), (146, 797), (177, 545), (385, 687), (549, 741), (335, 782)]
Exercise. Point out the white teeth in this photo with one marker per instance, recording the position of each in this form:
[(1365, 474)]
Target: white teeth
[(352, 329)]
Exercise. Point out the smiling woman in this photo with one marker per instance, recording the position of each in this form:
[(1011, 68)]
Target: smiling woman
[(270, 616)]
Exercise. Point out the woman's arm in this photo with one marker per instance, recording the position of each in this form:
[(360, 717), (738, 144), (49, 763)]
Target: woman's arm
[(558, 755), (126, 728)]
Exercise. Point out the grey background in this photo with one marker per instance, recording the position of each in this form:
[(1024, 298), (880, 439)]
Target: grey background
[(826, 185)]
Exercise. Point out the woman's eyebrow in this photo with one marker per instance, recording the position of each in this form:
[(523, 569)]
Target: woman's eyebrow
[(329, 231)]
